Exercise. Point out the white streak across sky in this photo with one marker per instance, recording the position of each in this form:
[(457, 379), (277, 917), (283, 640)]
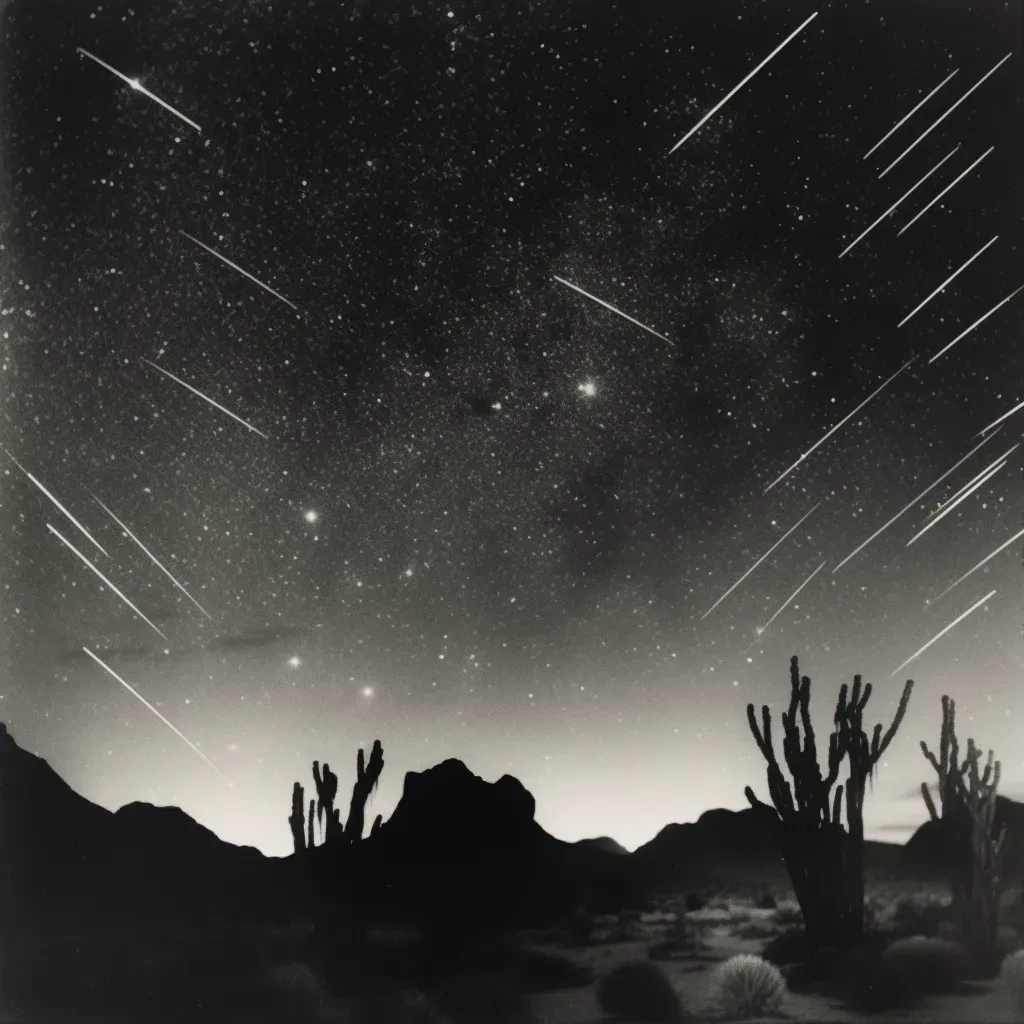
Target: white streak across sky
[(153, 559), (938, 636), (898, 201), (80, 527), (847, 417), (755, 565), (962, 174), (952, 505), (904, 120), (729, 95), (608, 305), (135, 693), (974, 479), (235, 266), (205, 398), (980, 320), (917, 309), (68, 544), (987, 558), (927, 131), (906, 508), (785, 604), (138, 87), (995, 423)]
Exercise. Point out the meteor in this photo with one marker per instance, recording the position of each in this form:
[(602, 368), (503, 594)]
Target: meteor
[(205, 398), (944, 283), (1006, 415), (908, 117), (945, 115), (55, 501), (718, 106), (987, 558), (67, 543), (980, 320), (838, 425), (906, 508), (177, 732), (754, 566), (945, 190), (153, 559), (134, 83), (612, 308), (898, 201), (949, 508), (235, 266), (1005, 454), (938, 636), (786, 603)]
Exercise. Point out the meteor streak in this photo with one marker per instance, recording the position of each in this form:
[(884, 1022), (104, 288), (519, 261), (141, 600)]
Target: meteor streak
[(153, 559), (938, 636), (963, 174), (235, 266), (177, 732), (898, 201), (980, 320), (838, 425), (612, 308), (944, 116), (949, 508), (987, 558), (729, 95), (908, 117), (906, 508), (205, 398), (973, 479), (134, 83), (944, 283), (786, 603), (68, 543), (755, 565), (55, 501), (1006, 415)]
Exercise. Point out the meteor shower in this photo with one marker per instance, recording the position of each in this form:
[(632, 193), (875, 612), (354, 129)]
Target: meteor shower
[(511, 511)]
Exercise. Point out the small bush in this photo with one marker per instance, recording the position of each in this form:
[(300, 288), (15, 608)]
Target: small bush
[(766, 901), (912, 917), (746, 986), (544, 972), (788, 915), (693, 901), (757, 930), (932, 965), (1013, 972), (790, 947), (870, 982), (639, 991)]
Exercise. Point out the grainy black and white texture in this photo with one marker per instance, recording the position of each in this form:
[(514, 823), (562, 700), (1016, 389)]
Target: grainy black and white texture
[(488, 513)]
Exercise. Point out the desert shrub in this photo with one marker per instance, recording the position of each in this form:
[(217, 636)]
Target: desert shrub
[(912, 917), (693, 901), (1013, 972), (931, 965), (791, 947), (745, 986), (788, 915), (766, 901), (639, 991), (580, 927), (544, 972), (756, 930), (485, 997), (870, 982)]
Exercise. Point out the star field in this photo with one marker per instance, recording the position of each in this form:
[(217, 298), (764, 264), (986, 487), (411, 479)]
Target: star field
[(445, 500)]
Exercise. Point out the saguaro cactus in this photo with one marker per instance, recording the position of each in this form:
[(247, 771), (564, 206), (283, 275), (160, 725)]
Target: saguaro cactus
[(974, 848), (326, 790), (296, 820), (824, 860), (367, 777), (312, 819)]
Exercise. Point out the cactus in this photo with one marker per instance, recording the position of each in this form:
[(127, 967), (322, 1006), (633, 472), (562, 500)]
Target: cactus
[(746, 986), (367, 777), (326, 791), (296, 819), (975, 851), (824, 860), (312, 819)]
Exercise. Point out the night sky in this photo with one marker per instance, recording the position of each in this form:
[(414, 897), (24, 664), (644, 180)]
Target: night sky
[(480, 515)]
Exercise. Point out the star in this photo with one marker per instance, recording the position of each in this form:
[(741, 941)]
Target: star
[(311, 516), (589, 388), (367, 691), (294, 661)]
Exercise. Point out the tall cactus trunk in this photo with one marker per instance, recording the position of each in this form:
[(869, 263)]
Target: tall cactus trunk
[(296, 820)]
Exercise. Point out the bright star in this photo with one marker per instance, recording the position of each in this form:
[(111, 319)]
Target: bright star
[(294, 661), (311, 516), (589, 388), (367, 691)]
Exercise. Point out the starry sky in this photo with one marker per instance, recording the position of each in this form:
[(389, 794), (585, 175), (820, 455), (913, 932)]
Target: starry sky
[(448, 500)]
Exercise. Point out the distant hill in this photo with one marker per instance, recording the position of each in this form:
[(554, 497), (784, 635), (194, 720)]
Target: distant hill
[(603, 843)]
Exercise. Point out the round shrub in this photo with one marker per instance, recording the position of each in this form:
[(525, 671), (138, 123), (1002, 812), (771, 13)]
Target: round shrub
[(767, 902), (746, 986), (931, 965), (693, 901), (870, 982), (639, 991), (1013, 972)]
